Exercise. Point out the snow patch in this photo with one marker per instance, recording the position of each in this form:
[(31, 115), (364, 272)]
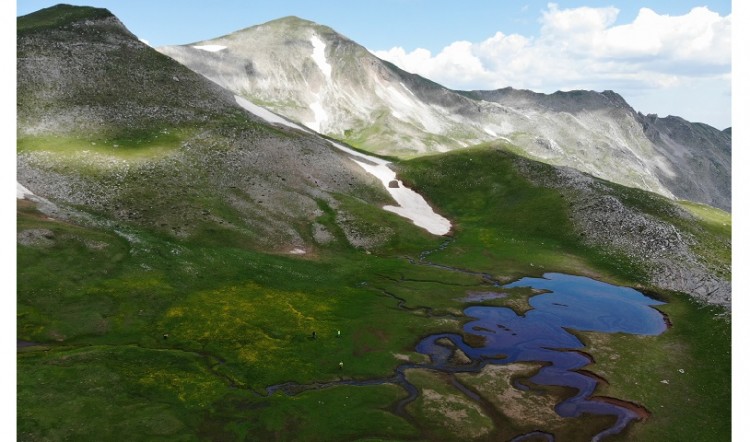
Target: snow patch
[(411, 205), (43, 204), (320, 114), (297, 251), (360, 155), (210, 48), (490, 131), (319, 56), (265, 113), (22, 192)]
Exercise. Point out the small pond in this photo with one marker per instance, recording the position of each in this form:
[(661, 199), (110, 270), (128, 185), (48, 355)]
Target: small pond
[(540, 335)]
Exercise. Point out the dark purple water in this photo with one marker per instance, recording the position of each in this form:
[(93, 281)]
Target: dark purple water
[(572, 302)]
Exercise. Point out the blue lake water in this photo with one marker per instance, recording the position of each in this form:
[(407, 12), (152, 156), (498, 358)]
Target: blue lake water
[(540, 335)]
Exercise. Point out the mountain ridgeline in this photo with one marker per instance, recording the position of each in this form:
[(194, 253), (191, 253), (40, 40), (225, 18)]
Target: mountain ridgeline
[(313, 75)]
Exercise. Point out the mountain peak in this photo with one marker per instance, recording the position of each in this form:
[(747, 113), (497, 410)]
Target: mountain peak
[(61, 16), (282, 29), (292, 20)]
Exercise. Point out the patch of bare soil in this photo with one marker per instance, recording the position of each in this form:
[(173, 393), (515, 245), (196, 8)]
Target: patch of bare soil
[(495, 382)]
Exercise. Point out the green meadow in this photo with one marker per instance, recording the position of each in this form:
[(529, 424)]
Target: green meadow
[(135, 334)]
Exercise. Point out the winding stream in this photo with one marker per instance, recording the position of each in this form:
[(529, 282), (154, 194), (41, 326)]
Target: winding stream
[(540, 335)]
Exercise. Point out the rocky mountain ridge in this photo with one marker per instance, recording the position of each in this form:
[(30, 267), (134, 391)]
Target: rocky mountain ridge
[(315, 76), (604, 219)]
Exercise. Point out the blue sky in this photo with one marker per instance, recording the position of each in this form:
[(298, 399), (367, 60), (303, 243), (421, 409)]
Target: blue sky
[(381, 24), (454, 43)]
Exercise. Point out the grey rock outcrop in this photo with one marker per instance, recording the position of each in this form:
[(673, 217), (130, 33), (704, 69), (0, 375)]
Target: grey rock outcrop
[(605, 221)]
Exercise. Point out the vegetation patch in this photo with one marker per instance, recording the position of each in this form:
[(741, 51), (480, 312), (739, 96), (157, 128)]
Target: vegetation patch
[(443, 412), (131, 146), (678, 376), (505, 225)]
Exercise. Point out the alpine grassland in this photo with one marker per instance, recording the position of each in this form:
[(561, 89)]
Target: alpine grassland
[(163, 337)]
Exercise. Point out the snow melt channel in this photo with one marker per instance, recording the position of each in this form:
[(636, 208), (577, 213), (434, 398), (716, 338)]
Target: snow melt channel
[(411, 205), (319, 57)]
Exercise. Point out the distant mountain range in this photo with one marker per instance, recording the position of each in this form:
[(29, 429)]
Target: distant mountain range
[(319, 78)]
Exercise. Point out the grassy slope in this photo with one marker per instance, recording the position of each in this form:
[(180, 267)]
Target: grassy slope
[(100, 304), (693, 356), (505, 225), (238, 320), (56, 16)]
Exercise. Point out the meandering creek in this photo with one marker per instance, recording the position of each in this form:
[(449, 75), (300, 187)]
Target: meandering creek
[(541, 335)]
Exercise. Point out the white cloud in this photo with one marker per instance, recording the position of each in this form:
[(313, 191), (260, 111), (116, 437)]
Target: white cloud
[(584, 20), (144, 41), (700, 37), (582, 48)]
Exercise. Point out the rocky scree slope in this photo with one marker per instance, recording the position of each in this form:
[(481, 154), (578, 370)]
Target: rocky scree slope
[(313, 75), (110, 129), (644, 227)]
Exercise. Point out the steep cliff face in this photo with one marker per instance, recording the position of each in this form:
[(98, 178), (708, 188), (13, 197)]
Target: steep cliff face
[(311, 74)]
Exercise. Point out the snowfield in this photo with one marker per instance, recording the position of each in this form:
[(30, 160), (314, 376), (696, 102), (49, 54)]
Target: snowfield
[(411, 205), (266, 114)]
